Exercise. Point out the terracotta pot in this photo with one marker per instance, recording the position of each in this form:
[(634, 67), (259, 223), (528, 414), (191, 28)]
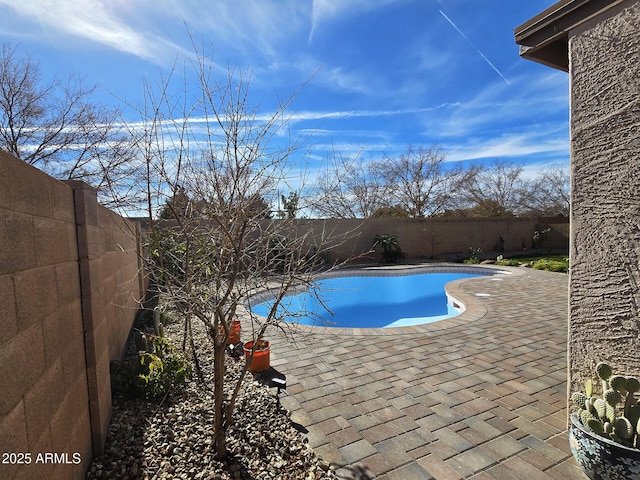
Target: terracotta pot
[(601, 458), (261, 358), (234, 334)]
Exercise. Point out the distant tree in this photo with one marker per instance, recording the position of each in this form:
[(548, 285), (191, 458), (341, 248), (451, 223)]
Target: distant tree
[(395, 212), (497, 190), (289, 205), (485, 208), (178, 206), (258, 207), (454, 213), (420, 182), (551, 192), (489, 208), (350, 188), (55, 127)]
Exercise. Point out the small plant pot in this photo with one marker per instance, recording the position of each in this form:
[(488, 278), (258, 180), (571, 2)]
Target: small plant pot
[(601, 458), (234, 334), (261, 357)]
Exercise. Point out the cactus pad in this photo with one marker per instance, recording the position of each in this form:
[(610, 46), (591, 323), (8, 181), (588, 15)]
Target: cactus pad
[(600, 407), (610, 413), (633, 414), (612, 397), (632, 384), (588, 387), (604, 370), (595, 426), (579, 399), (618, 382), (585, 416), (622, 428)]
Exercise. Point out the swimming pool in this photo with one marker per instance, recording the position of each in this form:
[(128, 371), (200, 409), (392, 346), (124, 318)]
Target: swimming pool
[(370, 301)]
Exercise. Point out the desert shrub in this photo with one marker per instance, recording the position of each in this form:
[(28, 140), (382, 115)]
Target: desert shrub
[(551, 265), (555, 264), (157, 368), (508, 262), (473, 255), (391, 251)]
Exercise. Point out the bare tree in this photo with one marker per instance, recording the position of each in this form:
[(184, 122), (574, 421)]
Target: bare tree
[(349, 188), (420, 182), (55, 127), (217, 157), (551, 192), (497, 190)]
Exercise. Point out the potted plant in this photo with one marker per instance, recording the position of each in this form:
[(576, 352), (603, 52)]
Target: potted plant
[(604, 434), (258, 355), (234, 332)]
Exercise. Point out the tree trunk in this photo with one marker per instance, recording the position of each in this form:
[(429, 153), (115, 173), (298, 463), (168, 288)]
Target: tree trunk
[(220, 423)]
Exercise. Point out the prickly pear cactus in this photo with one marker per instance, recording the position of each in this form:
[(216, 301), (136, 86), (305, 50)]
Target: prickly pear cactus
[(614, 415)]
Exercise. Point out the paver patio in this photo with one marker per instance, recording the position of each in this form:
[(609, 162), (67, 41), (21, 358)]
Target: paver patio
[(481, 396)]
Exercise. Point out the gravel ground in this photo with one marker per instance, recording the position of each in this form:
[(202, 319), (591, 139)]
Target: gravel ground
[(174, 438)]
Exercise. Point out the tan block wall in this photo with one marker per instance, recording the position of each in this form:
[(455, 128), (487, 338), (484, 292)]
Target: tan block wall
[(604, 293), (54, 380), (432, 238), (420, 238)]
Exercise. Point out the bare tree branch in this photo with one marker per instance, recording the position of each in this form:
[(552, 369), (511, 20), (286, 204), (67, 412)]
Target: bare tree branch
[(55, 127), (208, 156)]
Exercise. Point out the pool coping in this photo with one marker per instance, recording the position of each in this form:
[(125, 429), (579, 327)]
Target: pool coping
[(472, 304)]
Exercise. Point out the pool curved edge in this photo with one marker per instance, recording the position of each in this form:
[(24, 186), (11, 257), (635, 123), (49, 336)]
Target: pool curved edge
[(473, 307)]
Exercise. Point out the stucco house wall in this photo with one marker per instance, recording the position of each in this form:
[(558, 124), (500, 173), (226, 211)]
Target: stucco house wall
[(604, 292), (598, 43)]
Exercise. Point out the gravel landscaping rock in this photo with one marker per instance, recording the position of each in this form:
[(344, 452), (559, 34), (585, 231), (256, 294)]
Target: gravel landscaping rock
[(173, 437)]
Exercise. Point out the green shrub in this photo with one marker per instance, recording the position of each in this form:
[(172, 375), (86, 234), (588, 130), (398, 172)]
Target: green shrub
[(473, 255), (551, 265), (508, 262), (391, 251), (172, 256), (157, 369)]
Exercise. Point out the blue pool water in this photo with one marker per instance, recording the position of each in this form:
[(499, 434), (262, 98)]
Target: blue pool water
[(370, 301)]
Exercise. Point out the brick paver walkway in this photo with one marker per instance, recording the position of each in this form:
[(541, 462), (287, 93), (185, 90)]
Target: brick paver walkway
[(482, 396)]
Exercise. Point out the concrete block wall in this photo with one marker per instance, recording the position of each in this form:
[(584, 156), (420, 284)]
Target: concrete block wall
[(604, 292), (432, 237), (69, 288)]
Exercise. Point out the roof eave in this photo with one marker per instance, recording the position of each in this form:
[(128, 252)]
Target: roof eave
[(545, 37)]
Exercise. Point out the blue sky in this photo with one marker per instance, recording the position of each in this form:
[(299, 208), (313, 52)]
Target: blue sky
[(390, 73)]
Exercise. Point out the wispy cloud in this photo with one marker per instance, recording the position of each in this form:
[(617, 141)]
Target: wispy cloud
[(497, 106), (93, 20), (157, 30), (337, 114), (510, 146), (245, 25), (324, 10)]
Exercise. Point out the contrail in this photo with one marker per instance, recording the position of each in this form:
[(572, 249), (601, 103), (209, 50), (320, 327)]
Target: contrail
[(477, 49)]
